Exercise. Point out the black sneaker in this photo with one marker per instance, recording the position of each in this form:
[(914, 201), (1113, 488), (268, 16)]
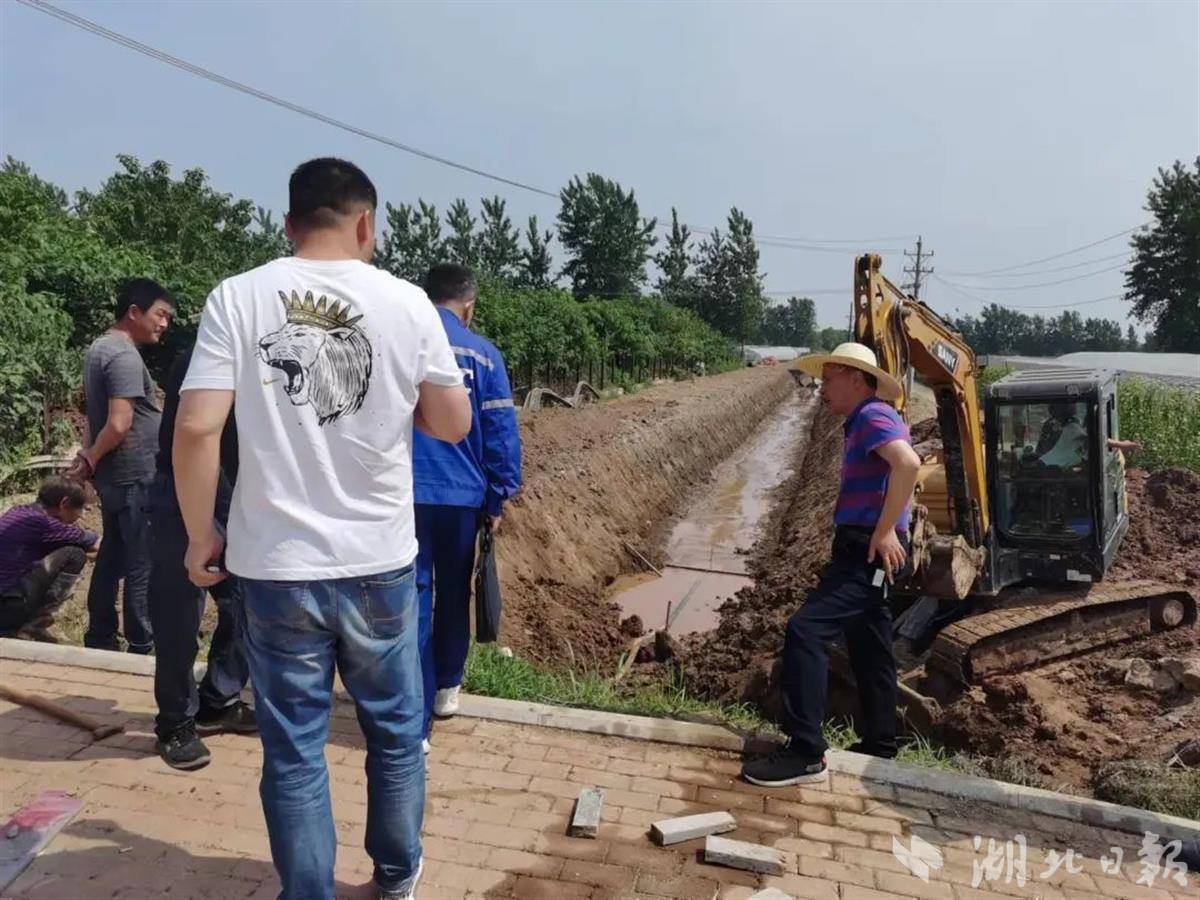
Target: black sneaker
[(784, 766), (183, 749), (237, 718), (860, 747)]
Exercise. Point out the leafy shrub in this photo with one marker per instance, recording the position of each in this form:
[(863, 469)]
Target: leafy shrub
[(1164, 418)]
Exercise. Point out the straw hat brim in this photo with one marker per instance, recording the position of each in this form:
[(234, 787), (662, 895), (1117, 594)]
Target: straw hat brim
[(886, 388)]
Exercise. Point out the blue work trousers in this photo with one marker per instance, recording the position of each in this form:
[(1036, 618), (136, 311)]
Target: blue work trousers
[(445, 564)]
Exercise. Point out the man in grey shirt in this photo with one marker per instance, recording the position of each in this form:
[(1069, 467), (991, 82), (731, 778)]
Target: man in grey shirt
[(123, 418)]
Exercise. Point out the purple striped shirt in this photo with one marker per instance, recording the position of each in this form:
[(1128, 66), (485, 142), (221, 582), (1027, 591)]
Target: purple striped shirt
[(872, 424), (27, 533)]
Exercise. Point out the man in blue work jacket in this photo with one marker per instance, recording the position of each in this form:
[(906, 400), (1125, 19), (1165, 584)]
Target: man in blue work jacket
[(457, 488)]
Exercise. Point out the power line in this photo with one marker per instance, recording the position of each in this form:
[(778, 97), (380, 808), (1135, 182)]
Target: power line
[(1026, 287), (162, 56), (1034, 262), (809, 293), (969, 296), (1091, 262), (788, 243), (1079, 303), (216, 78)]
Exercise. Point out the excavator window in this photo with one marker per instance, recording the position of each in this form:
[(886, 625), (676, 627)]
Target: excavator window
[(1042, 470)]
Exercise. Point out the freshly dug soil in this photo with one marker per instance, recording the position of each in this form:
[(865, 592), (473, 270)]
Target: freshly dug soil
[(601, 476), (1064, 720), (1068, 719), (1164, 528), (595, 478)]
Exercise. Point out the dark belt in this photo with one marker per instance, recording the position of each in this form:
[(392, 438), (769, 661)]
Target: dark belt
[(852, 541)]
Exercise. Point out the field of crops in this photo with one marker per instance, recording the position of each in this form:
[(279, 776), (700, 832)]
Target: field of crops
[(1165, 419)]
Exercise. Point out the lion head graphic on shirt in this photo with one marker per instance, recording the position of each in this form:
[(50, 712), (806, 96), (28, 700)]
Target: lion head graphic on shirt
[(324, 355)]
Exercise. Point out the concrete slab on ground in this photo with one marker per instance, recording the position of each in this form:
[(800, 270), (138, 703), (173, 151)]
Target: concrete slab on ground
[(500, 796)]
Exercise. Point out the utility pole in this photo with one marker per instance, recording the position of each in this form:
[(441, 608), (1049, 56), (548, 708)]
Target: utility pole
[(919, 269)]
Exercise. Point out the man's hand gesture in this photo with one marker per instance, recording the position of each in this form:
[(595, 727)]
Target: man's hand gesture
[(201, 560), (890, 551)]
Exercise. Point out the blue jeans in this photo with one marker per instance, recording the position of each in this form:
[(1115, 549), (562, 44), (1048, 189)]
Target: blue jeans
[(123, 554), (445, 565), (295, 634)]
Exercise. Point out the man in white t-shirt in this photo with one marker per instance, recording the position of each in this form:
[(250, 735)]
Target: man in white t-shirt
[(329, 364)]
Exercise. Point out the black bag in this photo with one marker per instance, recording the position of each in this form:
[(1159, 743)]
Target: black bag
[(487, 588)]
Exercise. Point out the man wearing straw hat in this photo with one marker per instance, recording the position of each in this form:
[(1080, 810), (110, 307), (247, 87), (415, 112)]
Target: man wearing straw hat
[(870, 550)]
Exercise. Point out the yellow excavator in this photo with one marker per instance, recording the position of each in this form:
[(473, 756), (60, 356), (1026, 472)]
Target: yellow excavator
[(1018, 519)]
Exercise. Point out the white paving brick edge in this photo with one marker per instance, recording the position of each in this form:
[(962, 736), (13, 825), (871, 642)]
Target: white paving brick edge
[(962, 787)]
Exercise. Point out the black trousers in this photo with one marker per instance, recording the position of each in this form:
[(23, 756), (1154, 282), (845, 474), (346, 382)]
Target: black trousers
[(176, 606), (42, 589), (846, 601)]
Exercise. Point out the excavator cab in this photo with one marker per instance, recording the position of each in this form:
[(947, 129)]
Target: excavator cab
[(1056, 489)]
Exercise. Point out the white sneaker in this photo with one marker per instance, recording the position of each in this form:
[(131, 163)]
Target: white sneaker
[(426, 746), (405, 892), (445, 702)]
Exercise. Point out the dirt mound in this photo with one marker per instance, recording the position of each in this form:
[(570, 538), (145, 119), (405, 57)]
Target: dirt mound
[(1164, 528), (1068, 719), (732, 663), (926, 437), (604, 475)]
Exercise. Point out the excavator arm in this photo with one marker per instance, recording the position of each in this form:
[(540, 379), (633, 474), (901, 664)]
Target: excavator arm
[(908, 337)]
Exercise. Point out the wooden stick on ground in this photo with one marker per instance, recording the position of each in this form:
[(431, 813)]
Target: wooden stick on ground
[(645, 562), (57, 710)]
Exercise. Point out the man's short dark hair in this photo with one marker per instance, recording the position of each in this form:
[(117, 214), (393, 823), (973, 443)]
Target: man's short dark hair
[(58, 489), (449, 281), (141, 292), (321, 190), (871, 380)]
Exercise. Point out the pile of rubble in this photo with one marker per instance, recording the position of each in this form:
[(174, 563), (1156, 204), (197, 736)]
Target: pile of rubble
[(1164, 676)]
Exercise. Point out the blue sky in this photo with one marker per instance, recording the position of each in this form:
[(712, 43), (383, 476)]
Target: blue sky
[(1001, 132)]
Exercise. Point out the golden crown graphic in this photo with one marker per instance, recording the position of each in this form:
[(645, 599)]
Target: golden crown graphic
[(306, 312)]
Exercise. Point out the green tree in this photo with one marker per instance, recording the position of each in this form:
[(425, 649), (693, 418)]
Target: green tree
[(463, 245), (729, 283), (1102, 335), (828, 338), (1067, 333), (606, 240), (60, 269), (1163, 284), (1131, 340), (536, 265), (499, 246), (195, 235), (676, 283), (790, 324), (747, 279), (412, 241)]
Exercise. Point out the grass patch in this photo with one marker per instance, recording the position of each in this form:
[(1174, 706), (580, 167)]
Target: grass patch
[(1164, 418), (492, 674), (1151, 786), (914, 750)]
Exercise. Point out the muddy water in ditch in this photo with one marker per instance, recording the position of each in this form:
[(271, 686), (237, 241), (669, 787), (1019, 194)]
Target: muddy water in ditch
[(704, 567)]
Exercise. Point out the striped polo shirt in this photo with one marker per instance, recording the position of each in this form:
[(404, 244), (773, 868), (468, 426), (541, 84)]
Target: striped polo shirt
[(872, 424)]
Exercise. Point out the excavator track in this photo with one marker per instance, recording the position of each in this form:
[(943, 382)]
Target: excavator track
[(1028, 626)]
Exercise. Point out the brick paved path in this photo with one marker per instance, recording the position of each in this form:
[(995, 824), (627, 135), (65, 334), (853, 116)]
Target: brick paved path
[(500, 796)]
